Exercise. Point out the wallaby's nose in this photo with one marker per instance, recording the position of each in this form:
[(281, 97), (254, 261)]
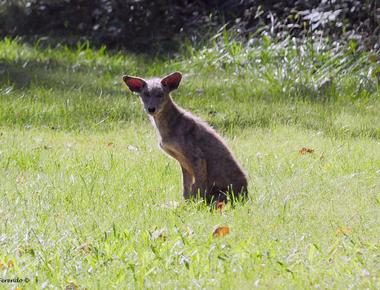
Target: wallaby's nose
[(151, 110)]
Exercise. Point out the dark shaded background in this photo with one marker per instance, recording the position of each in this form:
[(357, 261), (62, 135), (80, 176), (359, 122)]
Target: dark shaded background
[(160, 26)]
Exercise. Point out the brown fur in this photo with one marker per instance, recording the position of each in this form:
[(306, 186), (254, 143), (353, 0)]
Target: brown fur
[(208, 166)]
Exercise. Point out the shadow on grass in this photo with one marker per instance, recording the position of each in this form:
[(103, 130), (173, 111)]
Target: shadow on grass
[(80, 96), (56, 76), (22, 75)]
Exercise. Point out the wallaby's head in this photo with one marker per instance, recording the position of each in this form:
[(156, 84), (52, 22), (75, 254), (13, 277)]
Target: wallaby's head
[(154, 93)]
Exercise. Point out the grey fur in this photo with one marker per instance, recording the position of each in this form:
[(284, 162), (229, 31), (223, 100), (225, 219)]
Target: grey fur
[(208, 166)]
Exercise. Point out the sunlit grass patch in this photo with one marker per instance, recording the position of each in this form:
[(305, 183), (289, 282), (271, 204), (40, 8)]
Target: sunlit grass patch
[(88, 200), (120, 195)]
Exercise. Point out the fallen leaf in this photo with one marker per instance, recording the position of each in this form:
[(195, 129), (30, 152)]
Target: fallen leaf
[(110, 144), (20, 251), (132, 148), (1, 265), (259, 155), (221, 232), (305, 150), (343, 230), (220, 205), (86, 248), (190, 231), (71, 286), (20, 179), (159, 234), (10, 264)]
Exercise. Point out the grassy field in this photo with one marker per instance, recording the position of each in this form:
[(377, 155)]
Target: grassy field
[(87, 200)]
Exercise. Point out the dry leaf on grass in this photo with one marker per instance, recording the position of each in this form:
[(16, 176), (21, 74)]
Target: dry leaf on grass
[(221, 232), (86, 248), (132, 148), (110, 144), (72, 286), (343, 230), (305, 150), (189, 231), (220, 205), (10, 264), (20, 251), (20, 179), (159, 234)]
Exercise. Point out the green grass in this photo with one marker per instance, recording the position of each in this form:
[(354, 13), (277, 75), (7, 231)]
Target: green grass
[(88, 200)]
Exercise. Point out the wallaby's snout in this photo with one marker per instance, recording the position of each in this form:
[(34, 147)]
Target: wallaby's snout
[(151, 110), (154, 93)]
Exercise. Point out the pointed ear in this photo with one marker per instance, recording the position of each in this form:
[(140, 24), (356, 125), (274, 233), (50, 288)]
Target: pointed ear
[(172, 81), (135, 84)]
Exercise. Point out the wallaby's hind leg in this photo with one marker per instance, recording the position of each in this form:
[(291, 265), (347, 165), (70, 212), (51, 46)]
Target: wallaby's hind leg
[(200, 176), (187, 181)]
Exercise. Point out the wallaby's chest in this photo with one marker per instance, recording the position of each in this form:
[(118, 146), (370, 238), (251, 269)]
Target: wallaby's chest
[(175, 151), (172, 149)]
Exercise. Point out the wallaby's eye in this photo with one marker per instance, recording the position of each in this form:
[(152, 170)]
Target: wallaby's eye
[(159, 95)]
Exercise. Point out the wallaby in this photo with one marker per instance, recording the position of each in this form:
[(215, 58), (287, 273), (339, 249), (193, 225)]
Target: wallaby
[(209, 170)]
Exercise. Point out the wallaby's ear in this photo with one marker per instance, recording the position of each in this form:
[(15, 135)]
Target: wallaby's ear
[(172, 81), (135, 84)]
